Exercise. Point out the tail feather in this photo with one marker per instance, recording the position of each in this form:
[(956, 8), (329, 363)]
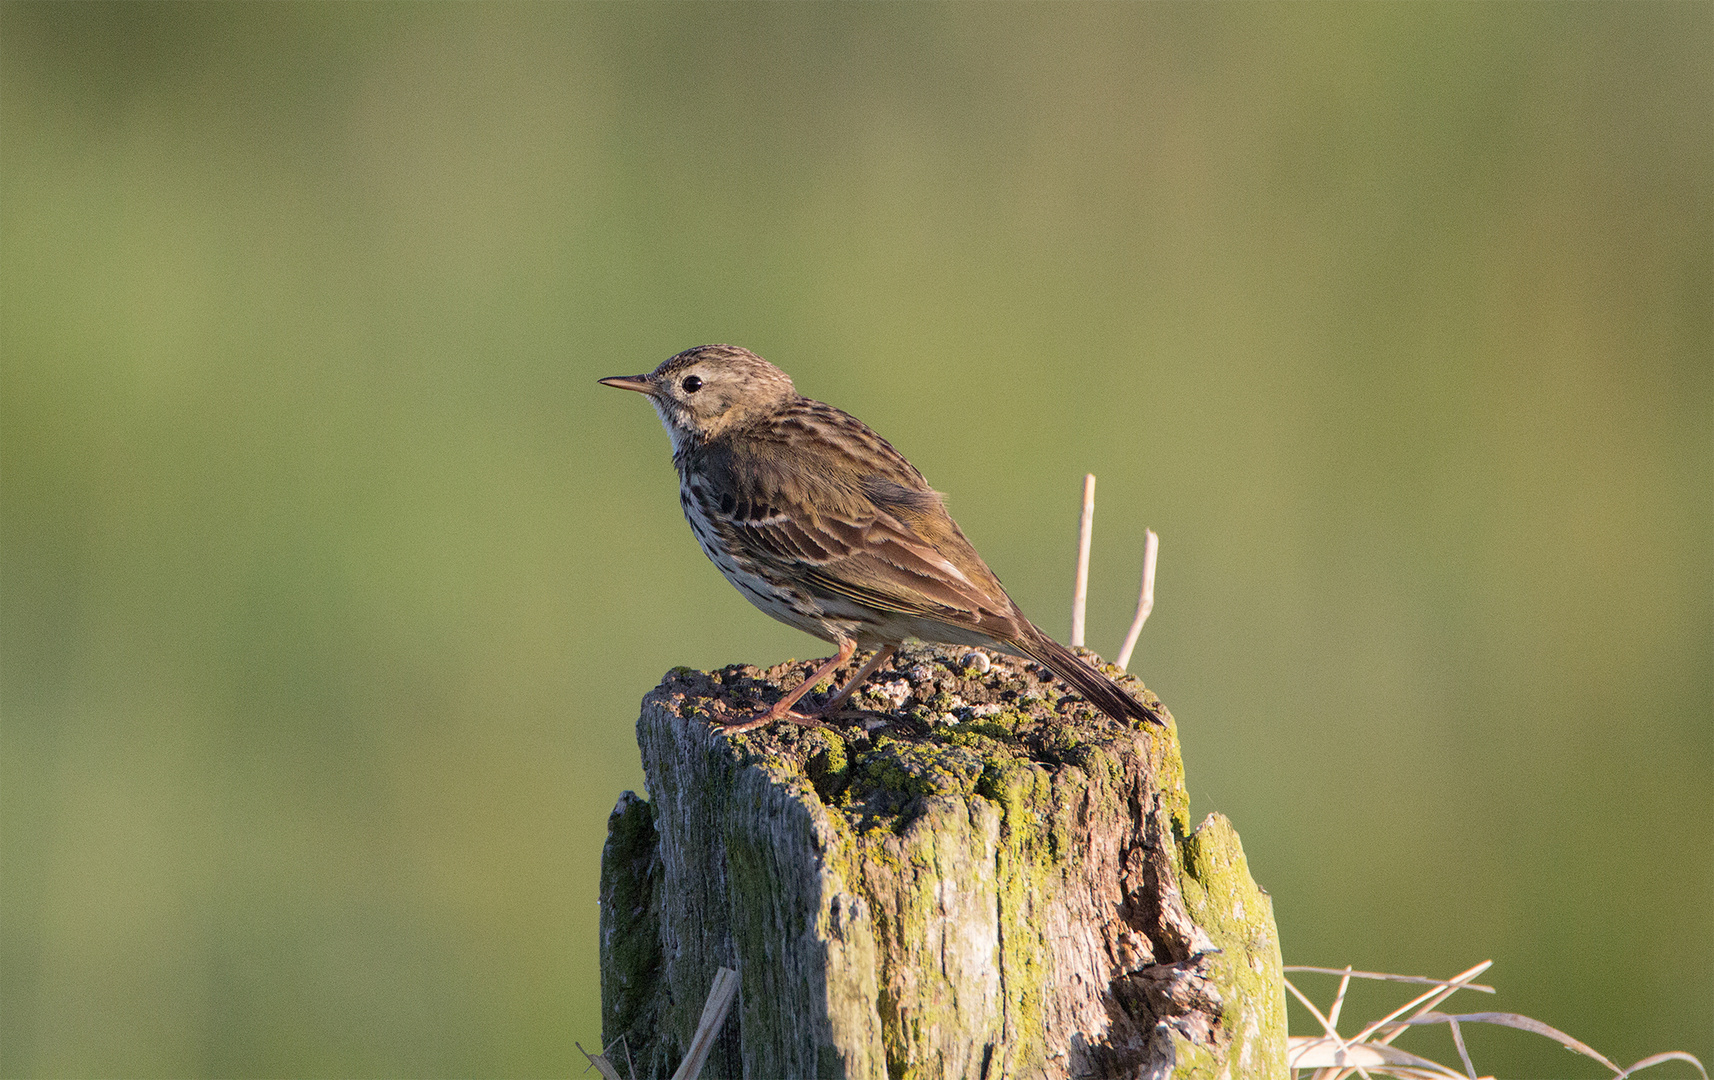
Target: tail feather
[(1101, 691)]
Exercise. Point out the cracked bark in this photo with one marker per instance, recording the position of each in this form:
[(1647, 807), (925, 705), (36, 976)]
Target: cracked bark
[(970, 874)]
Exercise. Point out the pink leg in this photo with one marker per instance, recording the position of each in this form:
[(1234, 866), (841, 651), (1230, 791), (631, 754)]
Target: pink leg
[(782, 709), (881, 656)]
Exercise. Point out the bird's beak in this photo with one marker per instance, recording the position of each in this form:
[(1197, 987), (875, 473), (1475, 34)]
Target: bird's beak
[(639, 383)]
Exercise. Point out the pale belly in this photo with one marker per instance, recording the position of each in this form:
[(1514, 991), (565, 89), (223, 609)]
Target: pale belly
[(792, 606)]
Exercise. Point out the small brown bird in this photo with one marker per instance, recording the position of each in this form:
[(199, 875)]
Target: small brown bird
[(820, 523)]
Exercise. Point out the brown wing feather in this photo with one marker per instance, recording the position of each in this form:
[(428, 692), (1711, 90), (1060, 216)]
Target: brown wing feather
[(821, 495)]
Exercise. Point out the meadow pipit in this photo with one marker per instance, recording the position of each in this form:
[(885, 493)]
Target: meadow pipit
[(820, 523)]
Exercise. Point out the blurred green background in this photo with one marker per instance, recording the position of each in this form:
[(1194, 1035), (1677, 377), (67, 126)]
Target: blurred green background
[(331, 579)]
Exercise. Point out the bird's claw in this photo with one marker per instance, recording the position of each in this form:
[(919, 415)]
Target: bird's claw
[(763, 719)]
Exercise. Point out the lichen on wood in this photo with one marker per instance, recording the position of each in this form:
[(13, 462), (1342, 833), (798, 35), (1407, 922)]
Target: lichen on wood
[(970, 873)]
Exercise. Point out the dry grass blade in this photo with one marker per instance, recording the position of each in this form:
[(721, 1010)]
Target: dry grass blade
[(1085, 531), (1339, 999), (1423, 979), (1326, 1024), (1303, 1052), (1463, 1054), (1357, 1055), (1423, 1002), (1522, 1023), (600, 1062), (1670, 1055), (1333, 1057), (1444, 989), (720, 996), (1145, 600), (1332, 1035)]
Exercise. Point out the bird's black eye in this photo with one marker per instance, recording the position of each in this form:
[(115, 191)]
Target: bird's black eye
[(691, 384)]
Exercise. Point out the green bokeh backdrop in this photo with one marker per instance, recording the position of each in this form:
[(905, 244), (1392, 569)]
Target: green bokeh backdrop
[(331, 579)]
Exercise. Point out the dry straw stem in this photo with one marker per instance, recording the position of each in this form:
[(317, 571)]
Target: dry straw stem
[(720, 996), (1080, 590), (1334, 1057), (1145, 601), (1085, 530), (599, 1062)]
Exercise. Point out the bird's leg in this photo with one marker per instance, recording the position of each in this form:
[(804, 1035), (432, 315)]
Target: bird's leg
[(782, 709), (881, 656)]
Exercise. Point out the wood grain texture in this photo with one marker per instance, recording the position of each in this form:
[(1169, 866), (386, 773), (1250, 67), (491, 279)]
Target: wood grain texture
[(971, 875)]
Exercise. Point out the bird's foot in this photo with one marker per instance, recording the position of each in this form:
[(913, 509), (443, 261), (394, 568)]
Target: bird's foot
[(783, 710), (763, 719)]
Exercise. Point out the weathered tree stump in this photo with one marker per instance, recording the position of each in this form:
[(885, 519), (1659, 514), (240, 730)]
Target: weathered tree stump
[(979, 877)]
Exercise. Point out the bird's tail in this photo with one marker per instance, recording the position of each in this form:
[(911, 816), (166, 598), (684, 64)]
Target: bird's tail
[(1102, 692)]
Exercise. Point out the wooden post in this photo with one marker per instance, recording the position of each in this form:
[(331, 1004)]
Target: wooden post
[(972, 874)]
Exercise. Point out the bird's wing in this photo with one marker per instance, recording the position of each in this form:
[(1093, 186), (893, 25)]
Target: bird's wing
[(863, 526), (865, 554)]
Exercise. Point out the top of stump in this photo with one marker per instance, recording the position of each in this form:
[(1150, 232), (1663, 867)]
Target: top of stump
[(937, 720)]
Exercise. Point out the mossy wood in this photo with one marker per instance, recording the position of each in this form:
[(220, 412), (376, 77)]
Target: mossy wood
[(971, 874)]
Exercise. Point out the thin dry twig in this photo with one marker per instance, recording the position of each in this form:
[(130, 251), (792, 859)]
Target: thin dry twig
[(1145, 601), (1085, 530)]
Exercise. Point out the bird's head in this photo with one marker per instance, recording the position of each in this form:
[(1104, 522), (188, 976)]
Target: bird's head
[(710, 389)]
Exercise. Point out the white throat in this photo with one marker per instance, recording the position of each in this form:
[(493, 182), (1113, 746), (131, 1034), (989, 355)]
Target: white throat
[(675, 433)]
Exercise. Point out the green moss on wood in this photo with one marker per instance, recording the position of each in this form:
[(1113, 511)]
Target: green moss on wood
[(892, 885), (630, 924), (1227, 903)]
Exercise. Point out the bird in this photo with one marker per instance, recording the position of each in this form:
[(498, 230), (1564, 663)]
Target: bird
[(821, 524)]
